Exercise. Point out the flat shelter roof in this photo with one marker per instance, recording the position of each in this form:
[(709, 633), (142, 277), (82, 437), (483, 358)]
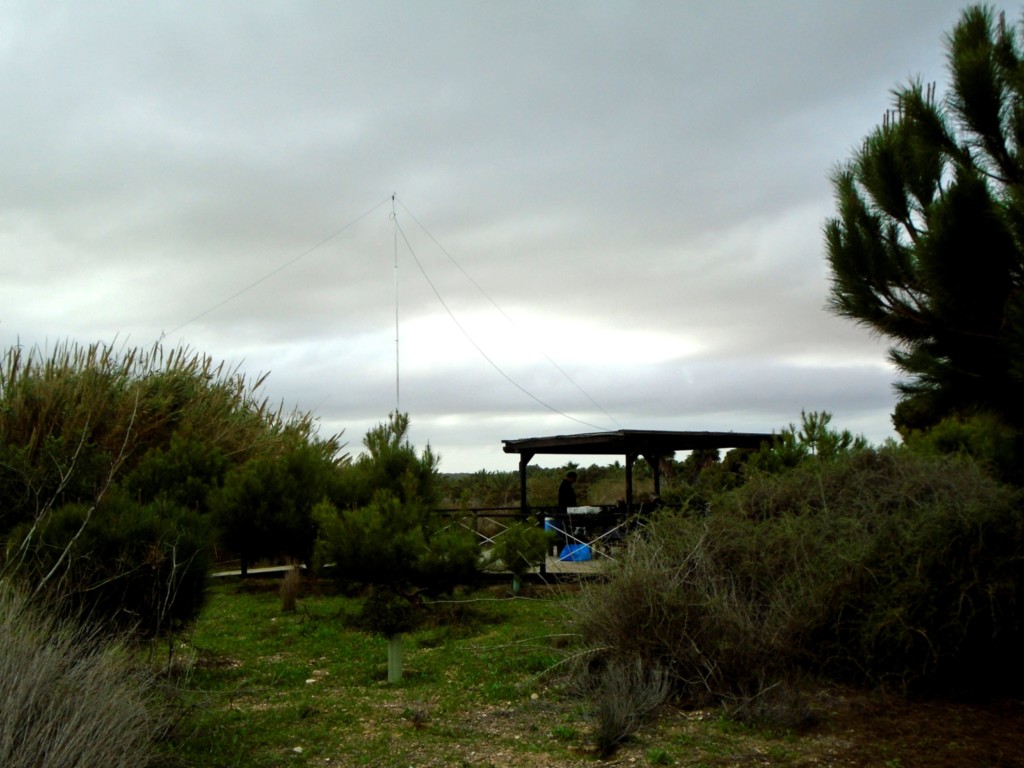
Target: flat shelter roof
[(630, 443), (634, 442)]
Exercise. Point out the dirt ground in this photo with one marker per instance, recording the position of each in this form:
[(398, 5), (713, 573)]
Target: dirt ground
[(861, 731), (866, 730), (892, 731), (857, 730)]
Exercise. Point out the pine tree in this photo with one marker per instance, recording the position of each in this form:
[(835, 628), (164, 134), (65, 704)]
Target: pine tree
[(927, 248), (388, 539)]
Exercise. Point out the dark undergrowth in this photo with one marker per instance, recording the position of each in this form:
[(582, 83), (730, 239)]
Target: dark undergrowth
[(881, 568)]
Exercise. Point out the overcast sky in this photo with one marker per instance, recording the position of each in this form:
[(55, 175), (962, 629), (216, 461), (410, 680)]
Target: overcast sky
[(608, 215)]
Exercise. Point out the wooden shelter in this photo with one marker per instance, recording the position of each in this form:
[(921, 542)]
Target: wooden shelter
[(653, 446)]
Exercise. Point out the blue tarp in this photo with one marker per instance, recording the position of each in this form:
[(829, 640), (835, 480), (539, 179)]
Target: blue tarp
[(575, 553)]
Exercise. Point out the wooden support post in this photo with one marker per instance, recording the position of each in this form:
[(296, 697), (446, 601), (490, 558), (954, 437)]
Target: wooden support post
[(524, 460), (524, 505), (655, 464), (630, 458)]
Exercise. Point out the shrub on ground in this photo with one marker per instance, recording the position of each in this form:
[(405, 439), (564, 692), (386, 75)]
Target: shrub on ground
[(109, 456), (392, 538), (70, 699), (934, 603), (882, 567), (265, 507), (520, 547), (73, 422), (140, 567), (669, 605), (184, 472), (982, 436), (395, 544), (625, 692)]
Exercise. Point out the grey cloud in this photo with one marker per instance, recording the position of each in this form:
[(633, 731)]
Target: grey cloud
[(655, 168)]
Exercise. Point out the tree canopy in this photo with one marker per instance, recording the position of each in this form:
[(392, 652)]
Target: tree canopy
[(927, 247), (386, 533)]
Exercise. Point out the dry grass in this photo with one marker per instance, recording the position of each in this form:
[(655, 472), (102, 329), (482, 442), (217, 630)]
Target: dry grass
[(291, 586), (69, 699)]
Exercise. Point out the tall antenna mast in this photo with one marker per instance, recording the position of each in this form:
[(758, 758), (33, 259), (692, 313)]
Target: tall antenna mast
[(398, 398)]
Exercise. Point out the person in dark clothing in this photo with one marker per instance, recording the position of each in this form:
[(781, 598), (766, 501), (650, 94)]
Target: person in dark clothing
[(566, 493)]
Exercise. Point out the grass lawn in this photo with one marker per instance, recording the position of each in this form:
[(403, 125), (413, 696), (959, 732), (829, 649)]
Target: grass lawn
[(486, 684), (482, 682)]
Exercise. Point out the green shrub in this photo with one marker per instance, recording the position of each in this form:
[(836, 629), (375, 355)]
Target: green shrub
[(520, 547), (184, 472), (902, 569), (75, 421), (670, 604), (390, 464), (130, 566), (392, 537), (392, 549), (392, 544), (935, 601), (396, 544), (981, 436), (451, 558), (70, 699), (265, 507), (387, 612), (83, 429), (880, 567), (63, 469), (814, 440)]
